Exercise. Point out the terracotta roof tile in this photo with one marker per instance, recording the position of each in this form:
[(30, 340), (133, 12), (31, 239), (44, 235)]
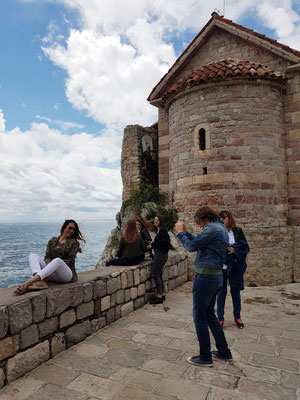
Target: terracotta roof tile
[(222, 70), (215, 17)]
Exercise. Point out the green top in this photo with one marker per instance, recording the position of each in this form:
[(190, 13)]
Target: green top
[(65, 251), (207, 271), (134, 249)]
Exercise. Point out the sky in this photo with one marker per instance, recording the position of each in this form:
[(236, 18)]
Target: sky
[(74, 73)]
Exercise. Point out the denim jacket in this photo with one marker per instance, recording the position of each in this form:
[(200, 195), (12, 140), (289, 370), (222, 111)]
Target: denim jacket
[(211, 245)]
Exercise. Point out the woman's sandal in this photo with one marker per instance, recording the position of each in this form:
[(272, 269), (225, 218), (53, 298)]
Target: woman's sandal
[(20, 290), (40, 285)]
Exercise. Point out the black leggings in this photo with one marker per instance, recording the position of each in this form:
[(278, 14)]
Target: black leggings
[(159, 260), (127, 261)]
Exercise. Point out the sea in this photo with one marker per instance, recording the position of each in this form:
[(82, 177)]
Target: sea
[(19, 239)]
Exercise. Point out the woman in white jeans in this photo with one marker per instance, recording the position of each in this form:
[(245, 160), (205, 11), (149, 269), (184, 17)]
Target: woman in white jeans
[(59, 262)]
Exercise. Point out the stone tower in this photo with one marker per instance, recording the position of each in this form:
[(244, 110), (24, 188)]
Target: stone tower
[(229, 137), (139, 158)]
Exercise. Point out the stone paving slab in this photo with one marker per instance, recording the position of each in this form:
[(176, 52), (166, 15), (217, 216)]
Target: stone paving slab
[(143, 355)]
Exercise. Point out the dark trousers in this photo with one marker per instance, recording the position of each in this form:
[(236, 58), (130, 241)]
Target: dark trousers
[(127, 261), (236, 299), (205, 289), (159, 260)]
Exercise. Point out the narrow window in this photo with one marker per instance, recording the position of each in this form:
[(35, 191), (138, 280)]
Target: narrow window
[(205, 171), (202, 139)]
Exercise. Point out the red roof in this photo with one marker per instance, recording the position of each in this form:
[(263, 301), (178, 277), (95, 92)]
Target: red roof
[(218, 21), (223, 70)]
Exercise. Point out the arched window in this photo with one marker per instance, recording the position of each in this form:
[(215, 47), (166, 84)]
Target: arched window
[(202, 139)]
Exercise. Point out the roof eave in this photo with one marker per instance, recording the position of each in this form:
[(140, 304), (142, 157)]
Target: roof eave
[(196, 43)]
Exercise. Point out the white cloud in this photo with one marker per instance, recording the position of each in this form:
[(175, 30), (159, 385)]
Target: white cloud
[(280, 16), (53, 33), (2, 121), (64, 125), (108, 79), (119, 53), (123, 49), (47, 174), (109, 16)]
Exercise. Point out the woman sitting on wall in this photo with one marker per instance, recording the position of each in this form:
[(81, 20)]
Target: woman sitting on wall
[(131, 250), (59, 261), (234, 269), (161, 245), (143, 232)]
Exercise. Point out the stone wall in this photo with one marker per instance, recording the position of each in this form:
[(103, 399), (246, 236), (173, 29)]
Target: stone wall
[(222, 45), (292, 119), (245, 165), (296, 253), (163, 150), (133, 162), (37, 326)]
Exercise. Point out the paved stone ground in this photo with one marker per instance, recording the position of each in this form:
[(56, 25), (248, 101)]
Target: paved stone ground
[(143, 356)]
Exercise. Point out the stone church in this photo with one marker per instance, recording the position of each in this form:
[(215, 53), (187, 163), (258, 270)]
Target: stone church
[(228, 136)]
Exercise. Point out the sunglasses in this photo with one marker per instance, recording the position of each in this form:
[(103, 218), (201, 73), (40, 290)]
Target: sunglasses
[(71, 229), (223, 217)]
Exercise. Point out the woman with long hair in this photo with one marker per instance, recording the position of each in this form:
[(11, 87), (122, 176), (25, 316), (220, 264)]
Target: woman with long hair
[(58, 264), (233, 269), (144, 233), (161, 245), (131, 250)]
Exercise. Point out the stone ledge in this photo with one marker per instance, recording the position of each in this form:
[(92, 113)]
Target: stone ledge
[(38, 325)]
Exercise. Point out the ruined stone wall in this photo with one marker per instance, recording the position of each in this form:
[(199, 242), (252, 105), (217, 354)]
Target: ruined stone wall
[(37, 326), (245, 164), (132, 162), (223, 45)]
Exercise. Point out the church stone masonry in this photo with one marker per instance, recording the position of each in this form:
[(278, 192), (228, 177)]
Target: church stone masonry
[(228, 136)]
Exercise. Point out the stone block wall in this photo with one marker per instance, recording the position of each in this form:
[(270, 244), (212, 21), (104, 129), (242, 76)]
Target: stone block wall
[(131, 158), (37, 326), (292, 117), (245, 166), (296, 253), (225, 46), (163, 150)]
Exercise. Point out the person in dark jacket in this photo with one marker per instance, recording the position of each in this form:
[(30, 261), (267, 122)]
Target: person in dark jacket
[(131, 250), (234, 269), (59, 261), (143, 232), (211, 246), (161, 246)]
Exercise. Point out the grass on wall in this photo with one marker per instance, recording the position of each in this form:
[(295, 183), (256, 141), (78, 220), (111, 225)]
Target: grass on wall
[(151, 194)]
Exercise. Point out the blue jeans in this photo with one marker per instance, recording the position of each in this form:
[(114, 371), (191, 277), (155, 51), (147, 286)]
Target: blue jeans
[(205, 289), (236, 299)]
